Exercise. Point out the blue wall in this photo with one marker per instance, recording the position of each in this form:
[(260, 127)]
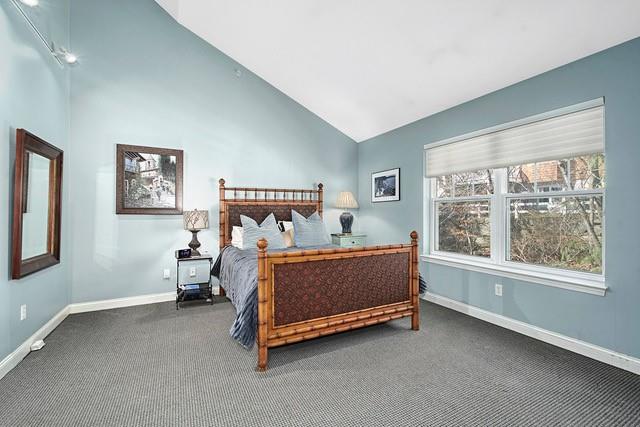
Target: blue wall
[(611, 321), (34, 94), (143, 79)]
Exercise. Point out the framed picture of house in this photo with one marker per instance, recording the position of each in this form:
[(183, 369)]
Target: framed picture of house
[(385, 186), (148, 180)]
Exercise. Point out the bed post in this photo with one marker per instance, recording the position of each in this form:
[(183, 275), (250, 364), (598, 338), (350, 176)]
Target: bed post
[(320, 198), (222, 208), (262, 305), (319, 201), (415, 285)]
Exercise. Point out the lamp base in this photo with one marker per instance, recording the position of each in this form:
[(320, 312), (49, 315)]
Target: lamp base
[(346, 219), (194, 244)]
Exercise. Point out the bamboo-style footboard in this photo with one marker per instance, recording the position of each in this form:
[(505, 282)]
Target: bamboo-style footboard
[(308, 294), (312, 293)]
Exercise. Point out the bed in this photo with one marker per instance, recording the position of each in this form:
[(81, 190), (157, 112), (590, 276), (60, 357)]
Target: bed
[(307, 293)]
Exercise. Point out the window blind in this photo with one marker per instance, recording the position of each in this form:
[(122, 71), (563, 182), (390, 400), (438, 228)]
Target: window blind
[(563, 136)]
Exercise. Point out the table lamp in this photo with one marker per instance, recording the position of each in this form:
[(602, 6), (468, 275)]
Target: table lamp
[(346, 201), (195, 221)]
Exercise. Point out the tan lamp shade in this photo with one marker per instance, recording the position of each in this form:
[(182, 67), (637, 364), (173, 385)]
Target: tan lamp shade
[(195, 220), (346, 201)]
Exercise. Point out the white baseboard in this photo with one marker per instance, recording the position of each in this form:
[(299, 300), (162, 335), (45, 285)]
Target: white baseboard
[(83, 307), (12, 360), (610, 357)]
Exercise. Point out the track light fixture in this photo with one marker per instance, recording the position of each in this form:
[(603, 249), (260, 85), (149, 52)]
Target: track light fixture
[(66, 56), (61, 55)]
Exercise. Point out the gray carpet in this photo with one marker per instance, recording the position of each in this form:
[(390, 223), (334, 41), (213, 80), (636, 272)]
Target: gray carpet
[(153, 366)]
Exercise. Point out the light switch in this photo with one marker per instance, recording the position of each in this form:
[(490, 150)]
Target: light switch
[(166, 274), (192, 272)]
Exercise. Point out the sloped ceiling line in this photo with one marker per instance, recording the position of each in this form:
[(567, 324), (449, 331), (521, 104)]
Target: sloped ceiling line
[(367, 67)]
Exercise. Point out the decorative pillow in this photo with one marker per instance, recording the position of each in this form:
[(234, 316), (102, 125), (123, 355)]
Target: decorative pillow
[(267, 230), (285, 225), (237, 234), (287, 233), (288, 238), (309, 231)]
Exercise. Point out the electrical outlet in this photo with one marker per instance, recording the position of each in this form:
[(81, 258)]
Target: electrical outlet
[(166, 274), (23, 312), (192, 272), (498, 289)]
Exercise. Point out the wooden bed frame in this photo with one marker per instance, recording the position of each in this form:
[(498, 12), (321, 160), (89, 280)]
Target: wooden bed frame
[(312, 293)]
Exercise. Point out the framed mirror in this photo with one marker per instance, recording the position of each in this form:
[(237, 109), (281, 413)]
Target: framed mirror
[(37, 202)]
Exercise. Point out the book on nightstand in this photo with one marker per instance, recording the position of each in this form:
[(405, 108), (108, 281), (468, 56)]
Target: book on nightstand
[(191, 289)]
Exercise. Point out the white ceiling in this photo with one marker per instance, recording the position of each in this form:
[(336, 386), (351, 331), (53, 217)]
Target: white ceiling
[(370, 66)]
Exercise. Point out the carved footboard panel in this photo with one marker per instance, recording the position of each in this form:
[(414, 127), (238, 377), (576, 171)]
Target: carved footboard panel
[(303, 290), (308, 294)]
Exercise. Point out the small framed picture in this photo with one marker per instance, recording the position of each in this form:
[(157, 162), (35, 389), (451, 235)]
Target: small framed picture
[(385, 186), (149, 180)]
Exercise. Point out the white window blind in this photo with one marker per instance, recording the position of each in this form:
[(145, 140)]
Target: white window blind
[(564, 135)]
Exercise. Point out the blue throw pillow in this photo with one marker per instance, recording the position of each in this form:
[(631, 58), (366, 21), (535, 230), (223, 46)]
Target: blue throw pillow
[(267, 230), (309, 231)]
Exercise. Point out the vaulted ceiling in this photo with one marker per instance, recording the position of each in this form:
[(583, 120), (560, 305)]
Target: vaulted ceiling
[(370, 66)]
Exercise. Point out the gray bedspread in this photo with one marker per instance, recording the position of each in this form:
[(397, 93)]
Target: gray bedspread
[(238, 275)]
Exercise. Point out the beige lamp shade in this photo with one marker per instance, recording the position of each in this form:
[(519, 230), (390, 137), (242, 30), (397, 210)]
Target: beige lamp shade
[(195, 220), (346, 201)]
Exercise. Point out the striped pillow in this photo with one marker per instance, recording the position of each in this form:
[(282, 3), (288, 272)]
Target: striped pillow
[(252, 232), (309, 231)]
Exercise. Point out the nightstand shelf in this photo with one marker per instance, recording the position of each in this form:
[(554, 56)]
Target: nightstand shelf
[(352, 240), (193, 279)]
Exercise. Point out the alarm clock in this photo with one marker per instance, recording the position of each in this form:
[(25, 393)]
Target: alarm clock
[(183, 253)]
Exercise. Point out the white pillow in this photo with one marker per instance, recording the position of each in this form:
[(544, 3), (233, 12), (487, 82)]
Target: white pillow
[(237, 237), (288, 238), (287, 233)]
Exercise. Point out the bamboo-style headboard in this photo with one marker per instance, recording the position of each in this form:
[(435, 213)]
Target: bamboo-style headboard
[(257, 203)]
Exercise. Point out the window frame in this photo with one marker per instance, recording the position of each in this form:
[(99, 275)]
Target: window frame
[(500, 222), (436, 229)]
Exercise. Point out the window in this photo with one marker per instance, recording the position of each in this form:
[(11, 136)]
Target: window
[(563, 230), (523, 211), (462, 206)]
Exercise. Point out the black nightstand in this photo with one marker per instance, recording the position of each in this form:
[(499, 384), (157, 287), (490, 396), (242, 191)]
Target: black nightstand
[(193, 279)]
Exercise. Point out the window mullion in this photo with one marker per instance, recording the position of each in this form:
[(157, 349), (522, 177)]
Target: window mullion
[(431, 212), (498, 238)]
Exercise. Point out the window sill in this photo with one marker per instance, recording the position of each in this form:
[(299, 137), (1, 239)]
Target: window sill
[(573, 283)]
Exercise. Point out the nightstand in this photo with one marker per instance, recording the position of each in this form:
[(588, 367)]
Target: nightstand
[(193, 279), (349, 240)]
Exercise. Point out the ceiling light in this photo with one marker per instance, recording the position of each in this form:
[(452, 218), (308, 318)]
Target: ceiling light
[(30, 3), (67, 56), (70, 58)]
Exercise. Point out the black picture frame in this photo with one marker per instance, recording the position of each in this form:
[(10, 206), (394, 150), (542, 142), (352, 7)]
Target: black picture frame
[(385, 186)]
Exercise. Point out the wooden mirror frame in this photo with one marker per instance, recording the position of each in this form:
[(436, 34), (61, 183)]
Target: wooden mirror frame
[(27, 142)]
